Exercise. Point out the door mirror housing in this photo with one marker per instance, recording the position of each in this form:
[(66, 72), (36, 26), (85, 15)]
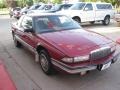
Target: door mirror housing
[(29, 30), (86, 9)]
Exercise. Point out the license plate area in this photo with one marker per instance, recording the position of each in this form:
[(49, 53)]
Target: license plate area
[(104, 66)]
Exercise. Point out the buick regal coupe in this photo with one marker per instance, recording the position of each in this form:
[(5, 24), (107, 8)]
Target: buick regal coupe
[(59, 43)]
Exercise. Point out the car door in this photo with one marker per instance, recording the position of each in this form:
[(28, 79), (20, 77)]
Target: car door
[(19, 31), (28, 37), (89, 12)]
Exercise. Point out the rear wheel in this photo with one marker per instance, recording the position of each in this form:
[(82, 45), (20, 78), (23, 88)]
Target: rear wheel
[(10, 15), (106, 20), (45, 62)]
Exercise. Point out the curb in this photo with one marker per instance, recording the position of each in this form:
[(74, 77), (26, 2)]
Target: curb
[(4, 14)]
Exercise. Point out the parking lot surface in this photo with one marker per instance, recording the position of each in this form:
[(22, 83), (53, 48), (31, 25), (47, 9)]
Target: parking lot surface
[(27, 75)]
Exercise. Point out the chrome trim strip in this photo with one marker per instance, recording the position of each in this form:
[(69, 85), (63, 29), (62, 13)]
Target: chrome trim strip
[(25, 44), (100, 49), (71, 69), (29, 47)]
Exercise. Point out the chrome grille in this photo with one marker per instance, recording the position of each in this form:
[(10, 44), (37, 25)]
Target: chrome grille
[(100, 53)]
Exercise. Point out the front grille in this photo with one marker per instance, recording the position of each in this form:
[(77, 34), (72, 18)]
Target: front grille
[(100, 53)]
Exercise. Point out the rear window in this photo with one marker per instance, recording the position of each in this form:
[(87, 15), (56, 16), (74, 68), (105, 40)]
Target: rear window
[(104, 6)]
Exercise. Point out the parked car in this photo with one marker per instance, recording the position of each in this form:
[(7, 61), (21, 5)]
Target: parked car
[(24, 10), (41, 9), (60, 43), (35, 6), (91, 12), (117, 17), (15, 12), (59, 7)]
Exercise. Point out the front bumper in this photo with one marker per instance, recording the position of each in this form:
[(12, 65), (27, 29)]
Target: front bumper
[(78, 69)]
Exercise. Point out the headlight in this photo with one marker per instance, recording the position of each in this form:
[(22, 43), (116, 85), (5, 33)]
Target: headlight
[(23, 13), (68, 60), (112, 46), (81, 58), (76, 59)]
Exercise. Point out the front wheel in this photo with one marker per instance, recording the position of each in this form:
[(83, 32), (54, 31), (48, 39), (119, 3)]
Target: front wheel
[(77, 19), (106, 21), (45, 62), (17, 43)]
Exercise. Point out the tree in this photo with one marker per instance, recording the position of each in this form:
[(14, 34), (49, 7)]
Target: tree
[(113, 2), (57, 1), (44, 1), (29, 2), (11, 3)]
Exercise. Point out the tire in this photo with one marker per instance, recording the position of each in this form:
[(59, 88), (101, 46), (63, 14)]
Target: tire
[(17, 43), (45, 62), (17, 18), (10, 16), (106, 20), (92, 22), (77, 19)]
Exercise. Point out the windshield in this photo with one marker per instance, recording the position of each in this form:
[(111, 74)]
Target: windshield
[(54, 23), (56, 7), (77, 6), (60, 6), (24, 9), (17, 9), (45, 7), (34, 7)]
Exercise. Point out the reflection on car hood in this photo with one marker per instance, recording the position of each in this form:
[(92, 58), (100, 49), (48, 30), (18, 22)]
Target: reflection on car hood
[(76, 42)]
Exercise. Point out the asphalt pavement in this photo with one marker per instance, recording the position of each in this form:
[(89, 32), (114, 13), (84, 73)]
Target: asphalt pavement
[(27, 75)]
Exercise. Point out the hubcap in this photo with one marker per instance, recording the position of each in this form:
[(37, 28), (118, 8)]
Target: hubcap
[(44, 62), (107, 20)]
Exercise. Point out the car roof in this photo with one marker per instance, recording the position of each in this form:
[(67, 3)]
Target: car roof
[(43, 14), (95, 2)]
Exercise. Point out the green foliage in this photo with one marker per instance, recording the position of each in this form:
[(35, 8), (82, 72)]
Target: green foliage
[(43, 1), (22, 3), (2, 4), (113, 2), (57, 1)]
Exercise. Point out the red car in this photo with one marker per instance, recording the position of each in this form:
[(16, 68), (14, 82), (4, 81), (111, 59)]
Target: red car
[(60, 43)]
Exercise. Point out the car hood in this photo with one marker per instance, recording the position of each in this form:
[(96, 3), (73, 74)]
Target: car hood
[(76, 42)]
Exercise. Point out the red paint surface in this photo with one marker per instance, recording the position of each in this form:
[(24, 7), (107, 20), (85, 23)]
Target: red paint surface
[(5, 81), (118, 41)]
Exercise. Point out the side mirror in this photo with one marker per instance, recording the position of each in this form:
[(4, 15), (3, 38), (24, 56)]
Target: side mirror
[(86, 9), (28, 30)]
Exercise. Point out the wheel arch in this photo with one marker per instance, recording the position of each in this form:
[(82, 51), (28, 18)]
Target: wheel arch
[(40, 47), (77, 18), (107, 16)]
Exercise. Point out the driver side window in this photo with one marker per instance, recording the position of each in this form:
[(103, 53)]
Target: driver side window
[(26, 23), (88, 7)]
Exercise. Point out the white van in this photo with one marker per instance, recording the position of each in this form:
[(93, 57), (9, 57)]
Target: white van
[(91, 12)]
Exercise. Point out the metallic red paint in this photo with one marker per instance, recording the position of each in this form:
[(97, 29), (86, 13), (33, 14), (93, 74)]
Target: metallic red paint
[(67, 43)]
